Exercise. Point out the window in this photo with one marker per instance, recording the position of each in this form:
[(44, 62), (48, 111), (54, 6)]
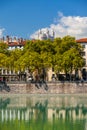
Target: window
[(84, 61), (83, 53), (7, 71), (83, 46), (52, 69), (3, 71)]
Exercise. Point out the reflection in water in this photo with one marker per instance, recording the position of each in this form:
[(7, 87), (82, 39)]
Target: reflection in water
[(38, 112), (41, 111), (4, 103)]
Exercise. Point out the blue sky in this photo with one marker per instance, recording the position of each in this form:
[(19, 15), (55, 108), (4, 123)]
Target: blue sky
[(23, 18)]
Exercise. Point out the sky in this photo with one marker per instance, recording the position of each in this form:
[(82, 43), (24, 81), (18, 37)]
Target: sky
[(24, 18)]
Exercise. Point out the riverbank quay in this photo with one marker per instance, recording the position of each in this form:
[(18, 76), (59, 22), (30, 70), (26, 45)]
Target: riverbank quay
[(47, 88)]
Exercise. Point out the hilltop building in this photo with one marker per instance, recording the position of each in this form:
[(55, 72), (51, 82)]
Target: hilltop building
[(46, 34)]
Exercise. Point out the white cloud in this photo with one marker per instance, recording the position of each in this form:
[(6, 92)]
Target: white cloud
[(67, 25), (1, 32)]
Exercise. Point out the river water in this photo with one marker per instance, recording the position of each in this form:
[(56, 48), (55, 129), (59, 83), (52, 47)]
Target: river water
[(43, 112)]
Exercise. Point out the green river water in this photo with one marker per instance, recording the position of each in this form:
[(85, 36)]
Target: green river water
[(43, 112)]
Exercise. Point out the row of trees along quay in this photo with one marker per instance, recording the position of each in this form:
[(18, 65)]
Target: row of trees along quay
[(61, 54)]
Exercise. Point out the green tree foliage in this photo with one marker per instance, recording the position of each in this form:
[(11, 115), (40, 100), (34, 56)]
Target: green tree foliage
[(63, 54), (3, 59), (39, 54), (12, 58), (68, 55), (3, 48)]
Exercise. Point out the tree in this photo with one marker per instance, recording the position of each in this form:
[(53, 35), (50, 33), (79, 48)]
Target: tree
[(3, 58), (68, 55), (3, 48), (62, 54), (13, 57), (39, 53)]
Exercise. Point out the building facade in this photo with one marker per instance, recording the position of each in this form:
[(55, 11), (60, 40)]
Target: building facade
[(83, 42), (14, 42)]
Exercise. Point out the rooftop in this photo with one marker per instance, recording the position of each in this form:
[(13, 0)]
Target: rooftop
[(82, 40)]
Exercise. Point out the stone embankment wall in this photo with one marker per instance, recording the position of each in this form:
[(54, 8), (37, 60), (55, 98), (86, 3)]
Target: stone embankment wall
[(52, 88)]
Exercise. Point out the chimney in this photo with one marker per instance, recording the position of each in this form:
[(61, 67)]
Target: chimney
[(3, 39), (7, 39), (14, 39)]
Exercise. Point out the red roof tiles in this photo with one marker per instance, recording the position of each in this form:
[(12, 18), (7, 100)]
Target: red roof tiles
[(83, 40), (17, 43)]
